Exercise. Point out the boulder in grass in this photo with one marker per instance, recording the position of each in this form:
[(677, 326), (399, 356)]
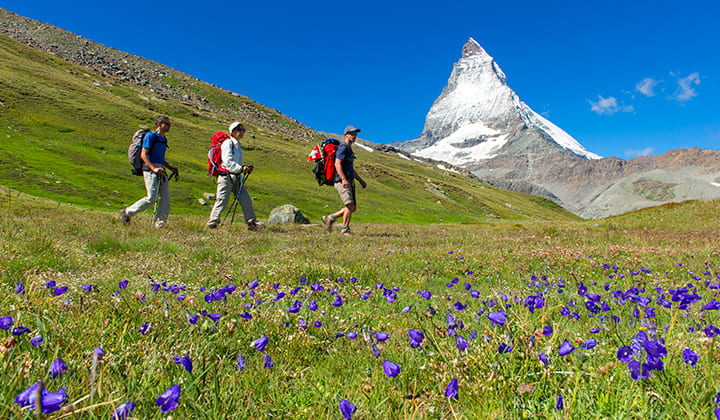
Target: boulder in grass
[(287, 214)]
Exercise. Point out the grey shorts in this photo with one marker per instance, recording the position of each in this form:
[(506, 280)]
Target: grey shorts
[(347, 195)]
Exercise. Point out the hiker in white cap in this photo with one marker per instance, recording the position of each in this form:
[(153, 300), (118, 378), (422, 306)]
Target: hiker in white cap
[(345, 177), (228, 183)]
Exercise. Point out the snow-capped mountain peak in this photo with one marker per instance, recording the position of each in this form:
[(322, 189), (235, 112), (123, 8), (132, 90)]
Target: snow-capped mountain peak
[(477, 116)]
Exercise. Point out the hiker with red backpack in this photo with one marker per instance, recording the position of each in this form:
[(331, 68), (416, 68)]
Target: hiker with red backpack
[(231, 174), (344, 182), (153, 169)]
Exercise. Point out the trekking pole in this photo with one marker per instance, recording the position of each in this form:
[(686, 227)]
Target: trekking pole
[(157, 199), (241, 180)]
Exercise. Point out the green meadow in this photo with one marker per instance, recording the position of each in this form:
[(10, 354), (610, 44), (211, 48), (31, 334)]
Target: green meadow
[(516, 308), (315, 367)]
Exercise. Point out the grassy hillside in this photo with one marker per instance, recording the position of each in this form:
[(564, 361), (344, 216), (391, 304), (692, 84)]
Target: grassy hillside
[(64, 132)]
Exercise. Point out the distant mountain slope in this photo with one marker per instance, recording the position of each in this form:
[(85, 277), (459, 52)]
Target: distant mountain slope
[(480, 124), (65, 128)]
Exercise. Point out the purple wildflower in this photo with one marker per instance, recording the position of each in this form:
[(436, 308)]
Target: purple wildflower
[(240, 363), (497, 317), (566, 348), (253, 284), (690, 357), (144, 328), (347, 409), (559, 404), (19, 288), (20, 330), (461, 343), (57, 368), (381, 336), (391, 369), (123, 411), (544, 359), (317, 324), (267, 361), (36, 341), (260, 343), (185, 361), (452, 389), (123, 284), (548, 330), (193, 319), (352, 335), (416, 338), (588, 344), (6, 322), (168, 401), (625, 354)]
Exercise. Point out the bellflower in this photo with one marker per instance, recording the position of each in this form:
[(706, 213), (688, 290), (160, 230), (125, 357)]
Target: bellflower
[(416, 337), (548, 330), (504, 348), (588, 344), (123, 284), (544, 359), (214, 317), (566, 348), (497, 317), (253, 284), (352, 335), (185, 361), (452, 389), (690, 357), (267, 361), (20, 330), (123, 411), (347, 409), (338, 301), (193, 319), (559, 404), (240, 363), (313, 306), (461, 343), (36, 341), (57, 368), (391, 369), (260, 343), (375, 350), (381, 336), (19, 288), (295, 308), (144, 328), (6, 322), (317, 324), (168, 401)]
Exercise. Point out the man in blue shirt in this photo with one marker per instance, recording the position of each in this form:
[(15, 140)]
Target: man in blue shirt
[(344, 181), (154, 172)]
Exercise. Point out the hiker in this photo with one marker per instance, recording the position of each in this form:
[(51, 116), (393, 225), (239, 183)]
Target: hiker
[(345, 177), (229, 181), (155, 174)]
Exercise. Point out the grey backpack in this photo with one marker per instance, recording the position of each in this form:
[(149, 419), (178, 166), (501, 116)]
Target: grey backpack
[(135, 150)]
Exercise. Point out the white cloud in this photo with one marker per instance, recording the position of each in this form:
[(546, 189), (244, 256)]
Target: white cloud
[(643, 152), (685, 90), (608, 106), (646, 85)]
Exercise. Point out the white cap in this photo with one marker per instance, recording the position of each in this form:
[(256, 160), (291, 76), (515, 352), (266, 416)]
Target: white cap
[(233, 126)]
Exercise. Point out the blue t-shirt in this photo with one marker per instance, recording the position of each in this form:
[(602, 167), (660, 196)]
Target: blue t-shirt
[(157, 150), (346, 155)]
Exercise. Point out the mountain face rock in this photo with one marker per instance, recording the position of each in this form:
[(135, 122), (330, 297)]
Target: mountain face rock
[(477, 116), (480, 124)]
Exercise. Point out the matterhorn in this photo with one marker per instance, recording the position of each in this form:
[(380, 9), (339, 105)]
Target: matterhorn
[(480, 124)]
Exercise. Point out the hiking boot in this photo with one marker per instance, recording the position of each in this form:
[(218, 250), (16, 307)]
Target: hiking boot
[(346, 232), (328, 222), (124, 217), (212, 225), (160, 224), (254, 227)]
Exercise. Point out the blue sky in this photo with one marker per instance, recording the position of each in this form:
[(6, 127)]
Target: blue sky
[(625, 78)]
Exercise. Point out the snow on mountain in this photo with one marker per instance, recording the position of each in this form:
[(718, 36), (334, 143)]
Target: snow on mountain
[(477, 114)]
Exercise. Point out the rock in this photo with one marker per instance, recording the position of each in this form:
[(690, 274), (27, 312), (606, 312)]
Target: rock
[(286, 214), (209, 196)]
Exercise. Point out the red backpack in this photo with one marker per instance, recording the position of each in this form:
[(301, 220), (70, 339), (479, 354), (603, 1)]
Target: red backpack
[(215, 154), (324, 157)]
